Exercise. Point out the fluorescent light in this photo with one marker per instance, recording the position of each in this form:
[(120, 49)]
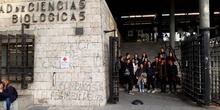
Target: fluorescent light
[(125, 24), (165, 14), (193, 13), (180, 14), (124, 16), (132, 16), (148, 15), (216, 13)]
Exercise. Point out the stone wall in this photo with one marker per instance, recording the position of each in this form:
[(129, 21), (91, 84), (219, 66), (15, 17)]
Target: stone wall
[(85, 81)]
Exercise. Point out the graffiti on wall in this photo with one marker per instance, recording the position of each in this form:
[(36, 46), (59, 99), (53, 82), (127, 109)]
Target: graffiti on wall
[(85, 91)]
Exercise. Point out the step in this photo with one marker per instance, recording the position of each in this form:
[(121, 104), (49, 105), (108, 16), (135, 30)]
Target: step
[(23, 102), (121, 89)]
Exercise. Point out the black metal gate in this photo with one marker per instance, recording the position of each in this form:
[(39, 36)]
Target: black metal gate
[(113, 70), (200, 69), (215, 71)]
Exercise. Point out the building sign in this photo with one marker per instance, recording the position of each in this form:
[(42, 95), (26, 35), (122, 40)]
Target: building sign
[(65, 62), (35, 12)]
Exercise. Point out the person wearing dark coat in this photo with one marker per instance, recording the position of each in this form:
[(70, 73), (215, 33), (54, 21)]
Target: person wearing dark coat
[(128, 77), (142, 60), (155, 65), (163, 76), (150, 77), (8, 93), (121, 70), (163, 53), (128, 57), (171, 57), (172, 74)]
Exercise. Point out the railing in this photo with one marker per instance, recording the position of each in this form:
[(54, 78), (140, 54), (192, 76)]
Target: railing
[(215, 71), (200, 69), (192, 69)]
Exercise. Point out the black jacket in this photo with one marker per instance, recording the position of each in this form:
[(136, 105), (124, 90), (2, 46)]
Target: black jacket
[(10, 92), (172, 70)]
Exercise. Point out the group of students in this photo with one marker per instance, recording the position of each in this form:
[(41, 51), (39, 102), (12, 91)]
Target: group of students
[(7, 93), (141, 73)]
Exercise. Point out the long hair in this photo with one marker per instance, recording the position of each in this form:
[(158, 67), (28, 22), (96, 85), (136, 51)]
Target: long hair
[(6, 84)]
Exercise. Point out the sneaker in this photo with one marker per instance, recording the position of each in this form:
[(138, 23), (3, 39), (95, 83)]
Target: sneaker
[(140, 90), (133, 87), (143, 90), (169, 92), (148, 91), (131, 93), (153, 91)]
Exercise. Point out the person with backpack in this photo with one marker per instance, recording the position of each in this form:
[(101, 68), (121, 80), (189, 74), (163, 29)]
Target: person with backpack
[(8, 93), (128, 77)]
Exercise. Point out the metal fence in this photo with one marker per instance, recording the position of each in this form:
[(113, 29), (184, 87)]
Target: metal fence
[(199, 80), (113, 70), (215, 71)]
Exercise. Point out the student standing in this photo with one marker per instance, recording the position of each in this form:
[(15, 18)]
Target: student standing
[(172, 74), (150, 77), (140, 75), (128, 77)]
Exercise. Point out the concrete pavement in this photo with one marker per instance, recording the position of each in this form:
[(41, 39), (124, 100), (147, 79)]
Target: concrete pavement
[(156, 101)]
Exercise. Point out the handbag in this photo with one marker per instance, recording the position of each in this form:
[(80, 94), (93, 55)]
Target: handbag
[(127, 72), (177, 80)]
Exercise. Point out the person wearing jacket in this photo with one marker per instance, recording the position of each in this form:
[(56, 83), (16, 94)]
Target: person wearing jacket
[(140, 75), (171, 57), (150, 77), (142, 60), (172, 74), (135, 67), (7, 93), (163, 76), (121, 70), (156, 65), (137, 60), (128, 77), (163, 53)]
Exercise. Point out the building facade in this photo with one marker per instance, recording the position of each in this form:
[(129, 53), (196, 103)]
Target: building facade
[(71, 50)]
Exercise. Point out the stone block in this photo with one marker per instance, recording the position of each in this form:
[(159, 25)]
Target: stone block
[(23, 102)]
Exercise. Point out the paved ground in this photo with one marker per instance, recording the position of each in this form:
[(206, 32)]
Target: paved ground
[(156, 101)]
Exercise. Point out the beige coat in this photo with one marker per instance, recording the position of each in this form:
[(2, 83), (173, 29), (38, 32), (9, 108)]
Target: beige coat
[(142, 78)]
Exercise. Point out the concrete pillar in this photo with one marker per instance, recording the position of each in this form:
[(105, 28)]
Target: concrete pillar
[(159, 30), (204, 14), (172, 23), (212, 17), (205, 25)]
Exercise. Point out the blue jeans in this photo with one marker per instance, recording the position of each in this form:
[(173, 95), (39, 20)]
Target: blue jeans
[(141, 86), (8, 102)]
